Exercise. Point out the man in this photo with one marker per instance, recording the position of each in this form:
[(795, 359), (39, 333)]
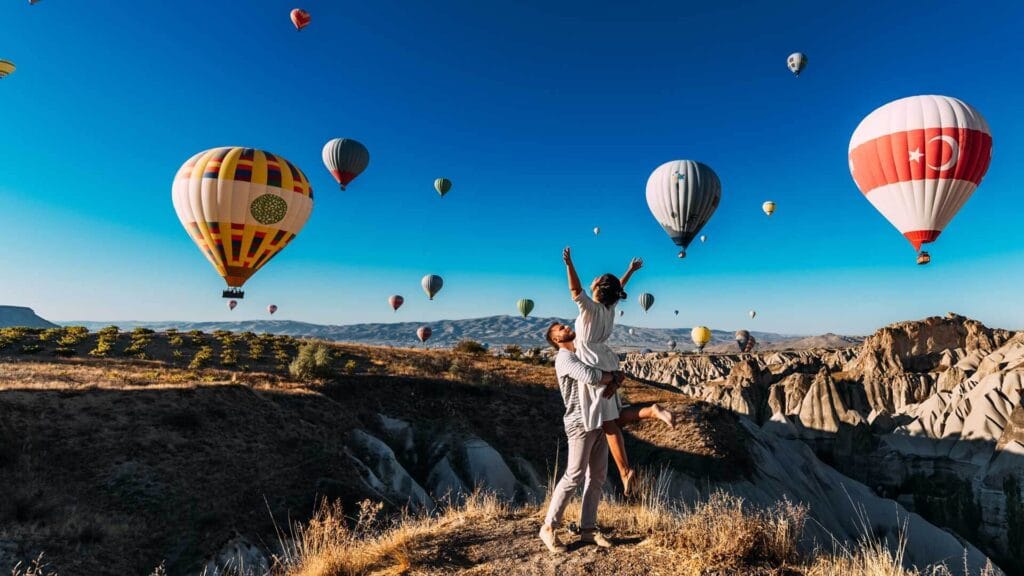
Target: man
[(588, 449)]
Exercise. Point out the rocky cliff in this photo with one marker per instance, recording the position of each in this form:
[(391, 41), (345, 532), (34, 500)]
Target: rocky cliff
[(22, 316)]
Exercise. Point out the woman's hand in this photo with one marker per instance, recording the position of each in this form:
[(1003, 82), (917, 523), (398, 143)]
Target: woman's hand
[(566, 256), (636, 264)]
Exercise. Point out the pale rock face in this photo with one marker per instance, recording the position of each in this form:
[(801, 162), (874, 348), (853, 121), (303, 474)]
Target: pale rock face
[(388, 475)]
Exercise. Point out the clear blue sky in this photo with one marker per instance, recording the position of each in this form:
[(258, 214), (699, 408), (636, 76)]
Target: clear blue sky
[(548, 116)]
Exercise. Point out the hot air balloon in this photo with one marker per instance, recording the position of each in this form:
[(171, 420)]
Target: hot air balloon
[(525, 306), (750, 344), (432, 284), (597, 231), (345, 159), (300, 18), (742, 339), (752, 313), (677, 312), (241, 206), (796, 63), (442, 185), (232, 304), (621, 312), (272, 308), (646, 301), (682, 196), (703, 238), (631, 332), (396, 302), (424, 333), (6, 68), (700, 335), (768, 207), (671, 344), (918, 160)]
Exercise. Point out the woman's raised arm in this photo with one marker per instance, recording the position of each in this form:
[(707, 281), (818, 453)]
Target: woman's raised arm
[(575, 288), (634, 265)]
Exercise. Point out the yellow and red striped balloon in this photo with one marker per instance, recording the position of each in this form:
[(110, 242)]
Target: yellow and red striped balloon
[(241, 206), (6, 67)]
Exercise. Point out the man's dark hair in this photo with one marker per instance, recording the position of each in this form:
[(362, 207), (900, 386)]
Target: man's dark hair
[(547, 335)]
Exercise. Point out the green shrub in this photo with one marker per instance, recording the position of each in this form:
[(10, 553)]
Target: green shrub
[(514, 351), (51, 334), (109, 331), (175, 341), (202, 358), (468, 346), (350, 367), (312, 362), (255, 350)]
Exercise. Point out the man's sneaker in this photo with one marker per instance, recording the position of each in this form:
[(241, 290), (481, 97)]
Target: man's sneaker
[(550, 539), (595, 537)]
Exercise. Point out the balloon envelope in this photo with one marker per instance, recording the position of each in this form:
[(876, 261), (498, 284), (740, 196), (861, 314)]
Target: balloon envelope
[(442, 185), (646, 301), (752, 313), (742, 338), (525, 306), (396, 302), (272, 308), (768, 207), (596, 231), (6, 67), (796, 62), (432, 284), (300, 18), (345, 159), (671, 344), (424, 333), (232, 304), (241, 206), (703, 238), (700, 335), (682, 195), (918, 160)]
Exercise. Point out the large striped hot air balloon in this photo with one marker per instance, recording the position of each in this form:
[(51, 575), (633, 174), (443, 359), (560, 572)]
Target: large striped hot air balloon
[(682, 195), (300, 18), (525, 306), (396, 302), (432, 284), (918, 160), (442, 185), (646, 301), (6, 68), (345, 159), (796, 63), (241, 206), (700, 335)]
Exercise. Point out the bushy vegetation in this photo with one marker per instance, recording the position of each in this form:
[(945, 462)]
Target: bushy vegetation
[(105, 340), (202, 358), (313, 362), (140, 339), (513, 351), (468, 346)]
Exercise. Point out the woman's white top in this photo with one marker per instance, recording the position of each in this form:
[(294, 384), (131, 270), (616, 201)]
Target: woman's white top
[(594, 327)]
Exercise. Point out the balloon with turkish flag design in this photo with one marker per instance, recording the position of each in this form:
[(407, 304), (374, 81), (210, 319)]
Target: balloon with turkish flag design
[(918, 160)]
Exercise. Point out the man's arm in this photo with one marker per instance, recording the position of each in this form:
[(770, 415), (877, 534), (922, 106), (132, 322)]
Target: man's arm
[(574, 368), (575, 288), (634, 265)]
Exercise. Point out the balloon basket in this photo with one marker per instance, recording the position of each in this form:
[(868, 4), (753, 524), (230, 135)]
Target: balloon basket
[(233, 293)]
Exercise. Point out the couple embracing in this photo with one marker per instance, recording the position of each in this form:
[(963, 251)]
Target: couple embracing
[(588, 379)]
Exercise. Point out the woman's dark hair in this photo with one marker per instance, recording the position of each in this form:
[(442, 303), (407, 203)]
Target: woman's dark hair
[(608, 290)]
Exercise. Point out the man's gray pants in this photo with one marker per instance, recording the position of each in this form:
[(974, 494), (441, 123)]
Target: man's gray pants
[(588, 465)]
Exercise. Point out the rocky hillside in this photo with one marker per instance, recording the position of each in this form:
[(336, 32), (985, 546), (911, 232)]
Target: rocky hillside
[(120, 452), (496, 331), (927, 412), (21, 316)]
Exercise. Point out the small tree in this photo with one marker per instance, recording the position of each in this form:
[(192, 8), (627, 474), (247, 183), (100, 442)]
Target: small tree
[(468, 346), (312, 362)]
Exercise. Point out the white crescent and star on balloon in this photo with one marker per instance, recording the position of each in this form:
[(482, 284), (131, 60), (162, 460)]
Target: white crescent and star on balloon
[(954, 148)]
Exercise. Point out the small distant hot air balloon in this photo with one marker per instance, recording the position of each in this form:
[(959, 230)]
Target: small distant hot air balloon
[(241, 206), (232, 304), (796, 63), (682, 195), (300, 18), (525, 306), (442, 185), (677, 312), (703, 238), (6, 68), (646, 301), (918, 160), (742, 339), (396, 302), (432, 284), (345, 159), (768, 207), (700, 335), (424, 333), (752, 313), (621, 312), (272, 308), (631, 332), (671, 344), (597, 231)]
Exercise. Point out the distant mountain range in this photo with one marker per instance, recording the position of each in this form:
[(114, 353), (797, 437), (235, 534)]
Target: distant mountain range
[(22, 316), (496, 331)]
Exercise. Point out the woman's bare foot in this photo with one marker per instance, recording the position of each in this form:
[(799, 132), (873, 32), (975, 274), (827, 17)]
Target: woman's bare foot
[(627, 482), (664, 415)]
